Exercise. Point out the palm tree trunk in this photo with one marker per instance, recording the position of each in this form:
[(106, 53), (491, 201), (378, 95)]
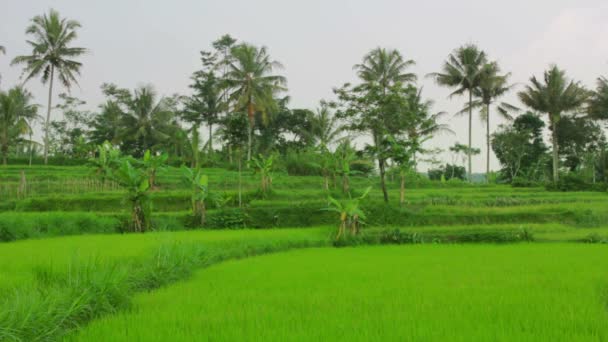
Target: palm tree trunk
[(240, 157), (195, 142), (48, 117), (402, 188), (31, 148), (250, 114), (382, 179), (470, 172), (4, 146), (555, 151), (210, 138), (488, 143), (249, 142)]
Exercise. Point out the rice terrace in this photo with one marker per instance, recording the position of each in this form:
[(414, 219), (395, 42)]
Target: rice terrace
[(400, 194)]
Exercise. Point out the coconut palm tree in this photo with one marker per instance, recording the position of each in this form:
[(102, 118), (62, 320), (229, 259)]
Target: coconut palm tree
[(385, 67), (555, 96), (598, 103), (52, 54), (147, 119), (252, 83), (425, 123), (463, 71), (324, 127), (16, 115), (492, 86)]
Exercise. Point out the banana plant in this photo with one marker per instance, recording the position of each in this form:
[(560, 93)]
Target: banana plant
[(135, 181), (351, 214), (344, 157), (199, 185), (264, 167), (152, 164), (107, 159)]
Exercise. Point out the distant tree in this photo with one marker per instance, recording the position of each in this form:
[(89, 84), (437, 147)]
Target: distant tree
[(555, 96), (107, 124), (252, 84), (598, 102), (384, 67), (148, 122), (520, 149), (422, 124), (492, 86), (464, 151), (52, 52), (375, 106), (447, 172), (580, 138), (206, 103), (324, 127), (464, 71), (16, 115), (68, 135)]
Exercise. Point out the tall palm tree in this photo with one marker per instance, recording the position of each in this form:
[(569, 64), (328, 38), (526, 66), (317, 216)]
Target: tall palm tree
[(425, 123), (52, 53), (16, 115), (557, 95), (252, 84), (384, 68), (463, 71), (492, 86)]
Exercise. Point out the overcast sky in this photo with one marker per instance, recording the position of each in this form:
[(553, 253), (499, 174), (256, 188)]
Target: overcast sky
[(157, 42)]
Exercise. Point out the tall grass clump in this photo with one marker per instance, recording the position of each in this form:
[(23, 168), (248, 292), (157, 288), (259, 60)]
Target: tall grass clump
[(61, 301)]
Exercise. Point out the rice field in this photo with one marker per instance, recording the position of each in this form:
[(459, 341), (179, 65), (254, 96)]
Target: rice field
[(474, 262), (520, 292)]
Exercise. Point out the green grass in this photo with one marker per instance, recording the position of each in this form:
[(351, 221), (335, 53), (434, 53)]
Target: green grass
[(525, 292)]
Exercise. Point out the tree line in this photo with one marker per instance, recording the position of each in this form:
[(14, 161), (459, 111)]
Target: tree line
[(240, 96)]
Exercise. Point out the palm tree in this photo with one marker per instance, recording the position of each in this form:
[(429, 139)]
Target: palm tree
[(2, 52), (252, 84), (51, 52), (598, 103), (324, 128), (463, 71), (425, 123), (147, 119), (492, 86), (383, 68), (557, 95), (16, 114)]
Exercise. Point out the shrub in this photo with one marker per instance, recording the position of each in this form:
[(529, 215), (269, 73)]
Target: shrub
[(571, 182)]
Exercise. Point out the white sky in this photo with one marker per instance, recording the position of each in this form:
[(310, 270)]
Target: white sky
[(139, 42)]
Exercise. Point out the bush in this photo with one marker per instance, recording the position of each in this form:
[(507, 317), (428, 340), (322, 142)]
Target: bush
[(574, 182), (300, 164), (521, 182)]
